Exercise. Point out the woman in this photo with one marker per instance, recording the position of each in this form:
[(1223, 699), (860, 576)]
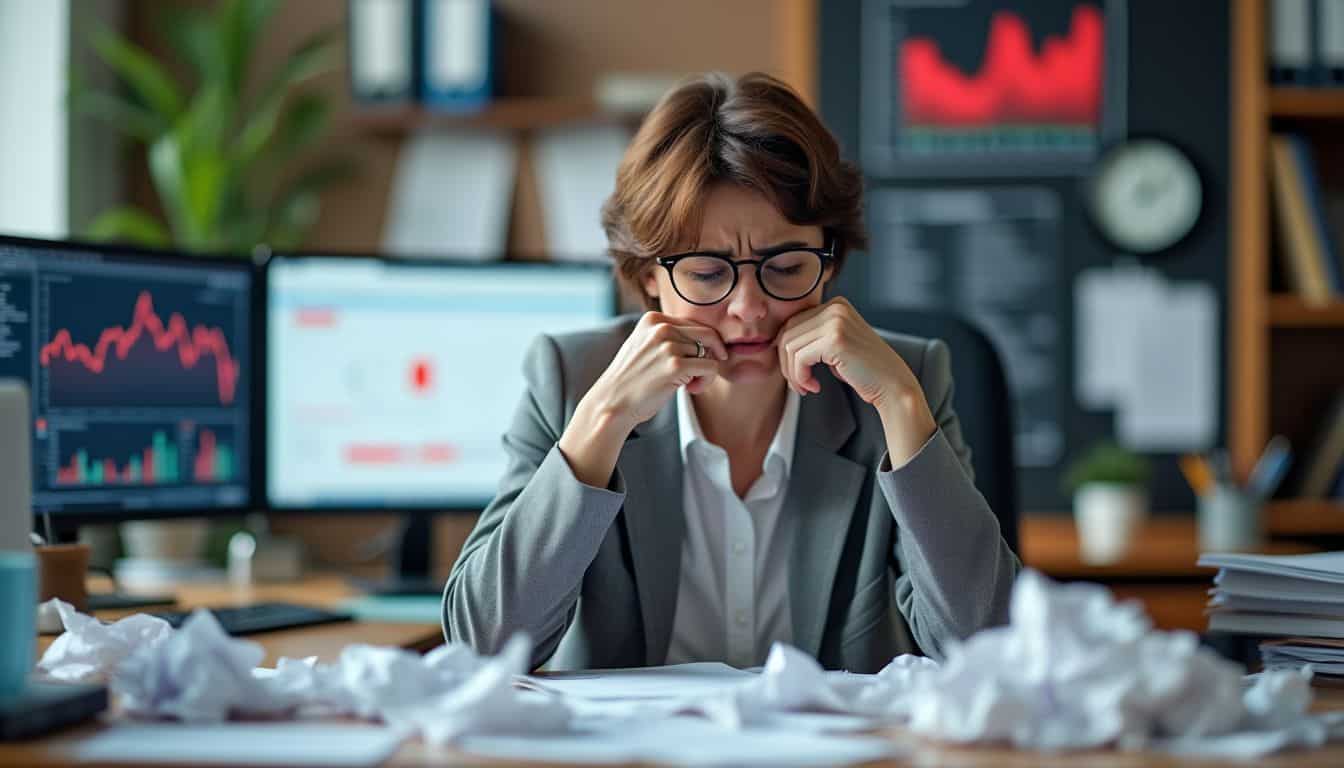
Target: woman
[(744, 463)]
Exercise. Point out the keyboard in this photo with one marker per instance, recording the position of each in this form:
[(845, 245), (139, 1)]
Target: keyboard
[(262, 617)]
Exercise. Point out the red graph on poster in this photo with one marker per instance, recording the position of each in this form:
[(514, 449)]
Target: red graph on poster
[(192, 345), (1060, 85)]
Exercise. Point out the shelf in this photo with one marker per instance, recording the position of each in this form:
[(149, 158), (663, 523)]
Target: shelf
[(1166, 547), (1307, 102), (504, 114), (1305, 518), (1286, 311)]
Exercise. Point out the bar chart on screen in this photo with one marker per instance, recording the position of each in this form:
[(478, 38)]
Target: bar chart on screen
[(987, 88)]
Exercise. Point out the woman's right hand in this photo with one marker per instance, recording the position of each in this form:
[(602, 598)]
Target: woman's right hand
[(658, 357)]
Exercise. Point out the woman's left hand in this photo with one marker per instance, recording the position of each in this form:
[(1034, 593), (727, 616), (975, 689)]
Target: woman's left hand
[(834, 334)]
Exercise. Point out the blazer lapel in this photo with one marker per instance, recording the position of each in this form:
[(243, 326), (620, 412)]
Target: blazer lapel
[(823, 490), (650, 462)]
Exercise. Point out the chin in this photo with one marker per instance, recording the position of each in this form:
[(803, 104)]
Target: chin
[(744, 371)]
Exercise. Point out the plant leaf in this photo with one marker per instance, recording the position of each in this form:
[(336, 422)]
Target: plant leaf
[(300, 124), (239, 23), (130, 119), (193, 36), (142, 73), (129, 224), (295, 210), (165, 167), (303, 124)]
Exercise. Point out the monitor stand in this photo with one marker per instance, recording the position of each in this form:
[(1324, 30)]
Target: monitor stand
[(412, 562)]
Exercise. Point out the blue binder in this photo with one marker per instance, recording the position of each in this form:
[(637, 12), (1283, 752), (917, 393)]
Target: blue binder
[(456, 54)]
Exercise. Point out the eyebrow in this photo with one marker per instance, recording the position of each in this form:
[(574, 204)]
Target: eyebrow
[(769, 250)]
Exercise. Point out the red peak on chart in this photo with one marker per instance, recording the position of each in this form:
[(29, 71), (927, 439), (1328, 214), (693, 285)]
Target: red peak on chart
[(192, 345), (1015, 85)]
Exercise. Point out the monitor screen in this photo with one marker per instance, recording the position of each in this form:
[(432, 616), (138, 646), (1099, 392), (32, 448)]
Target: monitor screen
[(138, 366), (390, 383)]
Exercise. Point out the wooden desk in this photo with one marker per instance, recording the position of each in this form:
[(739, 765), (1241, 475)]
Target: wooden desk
[(324, 641), (917, 752), (1159, 570)]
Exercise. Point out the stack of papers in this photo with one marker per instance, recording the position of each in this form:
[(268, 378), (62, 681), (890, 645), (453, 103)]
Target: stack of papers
[(1325, 656), (1283, 596)]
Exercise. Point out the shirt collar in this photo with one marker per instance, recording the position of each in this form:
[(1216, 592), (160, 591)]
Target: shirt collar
[(781, 445)]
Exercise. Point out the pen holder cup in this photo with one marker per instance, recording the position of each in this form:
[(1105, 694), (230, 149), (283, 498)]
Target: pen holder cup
[(61, 572), (1229, 520)]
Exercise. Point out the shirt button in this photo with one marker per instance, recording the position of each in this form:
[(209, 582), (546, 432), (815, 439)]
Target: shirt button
[(741, 618), (739, 548)]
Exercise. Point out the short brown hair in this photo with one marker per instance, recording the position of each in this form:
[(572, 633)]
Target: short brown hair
[(754, 131)]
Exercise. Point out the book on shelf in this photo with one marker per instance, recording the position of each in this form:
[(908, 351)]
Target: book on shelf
[(1311, 266), (1323, 461), (1305, 45)]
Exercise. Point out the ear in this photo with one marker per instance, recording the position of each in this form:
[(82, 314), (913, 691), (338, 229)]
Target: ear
[(651, 284)]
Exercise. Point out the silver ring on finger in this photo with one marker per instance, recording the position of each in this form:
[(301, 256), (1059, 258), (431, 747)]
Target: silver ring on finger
[(699, 348)]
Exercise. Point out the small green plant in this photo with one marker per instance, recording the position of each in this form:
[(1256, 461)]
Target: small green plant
[(1107, 463), (220, 151)]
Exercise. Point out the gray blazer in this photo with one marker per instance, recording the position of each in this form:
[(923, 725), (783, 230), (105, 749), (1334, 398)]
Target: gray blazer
[(885, 562)]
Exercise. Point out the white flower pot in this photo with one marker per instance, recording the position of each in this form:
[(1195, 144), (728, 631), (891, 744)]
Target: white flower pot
[(1108, 515)]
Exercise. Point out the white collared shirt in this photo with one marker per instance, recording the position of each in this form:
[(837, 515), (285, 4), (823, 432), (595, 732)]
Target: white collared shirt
[(733, 595)]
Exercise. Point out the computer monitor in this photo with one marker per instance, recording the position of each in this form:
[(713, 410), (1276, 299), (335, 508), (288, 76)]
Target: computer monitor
[(140, 367), (390, 383)]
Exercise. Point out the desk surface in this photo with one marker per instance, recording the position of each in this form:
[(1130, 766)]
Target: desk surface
[(326, 642), (917, 752)]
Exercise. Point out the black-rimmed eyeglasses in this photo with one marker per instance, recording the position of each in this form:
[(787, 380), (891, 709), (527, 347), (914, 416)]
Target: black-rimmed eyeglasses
[(708, 278)]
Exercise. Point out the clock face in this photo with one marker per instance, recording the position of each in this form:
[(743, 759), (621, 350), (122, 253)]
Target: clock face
[(1145, 196)]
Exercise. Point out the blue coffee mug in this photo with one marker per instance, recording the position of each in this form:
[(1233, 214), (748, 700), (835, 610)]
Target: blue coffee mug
[(18, 620)]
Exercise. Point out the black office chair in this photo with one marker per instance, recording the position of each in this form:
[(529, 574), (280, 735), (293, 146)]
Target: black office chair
[(981, 398)]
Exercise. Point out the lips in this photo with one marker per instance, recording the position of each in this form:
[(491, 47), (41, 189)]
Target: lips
[(749, 345)]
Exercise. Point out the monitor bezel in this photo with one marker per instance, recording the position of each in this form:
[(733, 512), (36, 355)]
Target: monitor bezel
[(232, 260), (393, 507)]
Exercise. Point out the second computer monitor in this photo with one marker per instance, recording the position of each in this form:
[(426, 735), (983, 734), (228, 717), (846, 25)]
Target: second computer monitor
[(390, 383)]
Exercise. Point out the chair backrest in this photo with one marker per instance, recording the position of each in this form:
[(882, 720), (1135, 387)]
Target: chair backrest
[(981, 398)]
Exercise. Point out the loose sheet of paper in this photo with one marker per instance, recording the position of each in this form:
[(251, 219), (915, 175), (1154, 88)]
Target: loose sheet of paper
[(684, 741), (290, 744), (677, 681)]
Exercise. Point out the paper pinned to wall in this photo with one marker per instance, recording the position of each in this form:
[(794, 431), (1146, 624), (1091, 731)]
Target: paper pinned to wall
[(1174, 393), (1147, 348), (451, 196), (576, 173), (1106, 302)]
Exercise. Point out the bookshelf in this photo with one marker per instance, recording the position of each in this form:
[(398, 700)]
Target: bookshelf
[(519, 114), (1325, 103), (1285, 360)]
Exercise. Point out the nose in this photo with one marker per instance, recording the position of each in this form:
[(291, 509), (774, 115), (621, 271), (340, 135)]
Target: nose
[(748, 301)]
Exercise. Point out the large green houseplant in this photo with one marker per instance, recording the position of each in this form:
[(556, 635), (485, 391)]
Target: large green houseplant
[(230, 159)]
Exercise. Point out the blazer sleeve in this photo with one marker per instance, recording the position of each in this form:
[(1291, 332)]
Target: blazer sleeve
[(956, 571), (521, 568)]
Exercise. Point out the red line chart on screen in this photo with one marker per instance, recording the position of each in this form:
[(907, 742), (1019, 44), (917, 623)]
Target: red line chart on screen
[(1032, 87), (189, 345)]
